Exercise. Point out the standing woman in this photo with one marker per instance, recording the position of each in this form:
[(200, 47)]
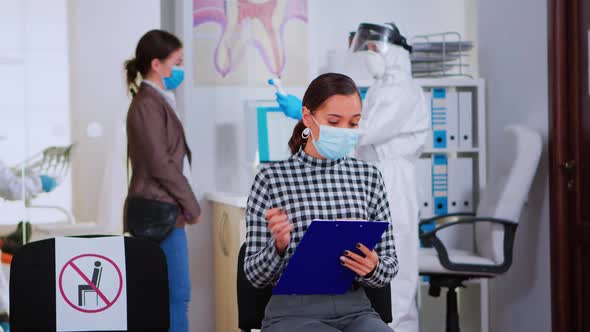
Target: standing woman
[(160, 158)]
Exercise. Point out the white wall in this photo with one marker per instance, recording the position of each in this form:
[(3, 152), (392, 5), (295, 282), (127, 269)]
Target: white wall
[(213, 117), (513, 60), (224, 105), (103, 34), (34, 107), (332, 20)]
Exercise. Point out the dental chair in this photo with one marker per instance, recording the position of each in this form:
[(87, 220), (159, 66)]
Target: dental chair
[(494, 224), (53, 161)]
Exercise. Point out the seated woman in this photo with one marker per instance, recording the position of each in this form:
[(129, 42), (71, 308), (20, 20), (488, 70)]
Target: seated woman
[(319, 181)]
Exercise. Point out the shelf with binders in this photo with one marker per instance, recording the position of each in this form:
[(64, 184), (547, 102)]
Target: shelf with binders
[(457, 113), (451, 170), (452, 167), (455, 118), (448, 183)]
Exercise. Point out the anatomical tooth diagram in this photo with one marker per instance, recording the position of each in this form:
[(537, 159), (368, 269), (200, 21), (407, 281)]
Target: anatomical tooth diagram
[(234, 39)]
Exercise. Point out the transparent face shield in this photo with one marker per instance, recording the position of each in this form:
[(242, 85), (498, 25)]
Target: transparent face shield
[(372, 37), (377, 38)]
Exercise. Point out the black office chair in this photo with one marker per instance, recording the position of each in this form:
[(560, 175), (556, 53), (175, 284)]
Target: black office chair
[(33, 308), (252, 301)]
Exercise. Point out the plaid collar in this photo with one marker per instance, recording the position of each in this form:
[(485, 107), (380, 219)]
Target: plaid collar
[(310, 161)]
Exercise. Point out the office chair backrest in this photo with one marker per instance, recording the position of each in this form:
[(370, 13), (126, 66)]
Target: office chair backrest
[(508, 186), (33, 287)]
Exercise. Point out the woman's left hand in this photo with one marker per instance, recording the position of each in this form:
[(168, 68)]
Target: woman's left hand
[(360, 265)]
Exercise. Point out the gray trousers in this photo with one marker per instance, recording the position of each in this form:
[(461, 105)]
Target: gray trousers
[(350, 312)]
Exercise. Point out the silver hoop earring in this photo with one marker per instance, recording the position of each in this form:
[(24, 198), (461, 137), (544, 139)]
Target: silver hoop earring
[(305, 133)]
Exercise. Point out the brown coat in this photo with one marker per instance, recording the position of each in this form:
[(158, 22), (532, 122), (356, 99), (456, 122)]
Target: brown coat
[(156, 147)]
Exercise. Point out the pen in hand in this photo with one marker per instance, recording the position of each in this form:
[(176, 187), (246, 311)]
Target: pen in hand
[(280, 228)]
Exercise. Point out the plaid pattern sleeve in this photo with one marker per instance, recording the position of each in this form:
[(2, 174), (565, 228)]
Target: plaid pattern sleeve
[(388, 264), (263, 263)]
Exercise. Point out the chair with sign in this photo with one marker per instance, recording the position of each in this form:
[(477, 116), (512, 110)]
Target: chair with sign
[(33, 287)]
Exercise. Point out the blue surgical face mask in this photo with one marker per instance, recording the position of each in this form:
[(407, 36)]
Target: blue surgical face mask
[(177, 76), (335, 143)]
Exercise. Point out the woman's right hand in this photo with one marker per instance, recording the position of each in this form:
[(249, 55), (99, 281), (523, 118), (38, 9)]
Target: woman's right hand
[(280, 228)]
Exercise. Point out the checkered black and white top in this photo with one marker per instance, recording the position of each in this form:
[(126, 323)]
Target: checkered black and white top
[(307, 188)]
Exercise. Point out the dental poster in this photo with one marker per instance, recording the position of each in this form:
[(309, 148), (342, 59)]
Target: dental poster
[(245, 42)]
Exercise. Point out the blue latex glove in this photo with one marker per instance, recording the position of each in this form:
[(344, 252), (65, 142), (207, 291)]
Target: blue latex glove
[(47, 183), (291, 105)]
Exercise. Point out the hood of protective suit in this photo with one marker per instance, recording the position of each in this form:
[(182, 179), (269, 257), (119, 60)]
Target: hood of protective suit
[(394, 64)]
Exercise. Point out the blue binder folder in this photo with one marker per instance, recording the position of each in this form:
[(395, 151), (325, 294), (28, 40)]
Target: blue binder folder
[(315, 267)]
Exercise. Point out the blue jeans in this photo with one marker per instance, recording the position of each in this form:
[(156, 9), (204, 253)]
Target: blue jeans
[(175, 248)]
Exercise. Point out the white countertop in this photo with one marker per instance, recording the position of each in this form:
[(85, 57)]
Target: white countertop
[(227, 198)]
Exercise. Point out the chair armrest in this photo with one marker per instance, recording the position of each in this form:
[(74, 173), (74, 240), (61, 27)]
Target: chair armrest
[(466, 220), (447, 217), (509, 235), (429, 224)]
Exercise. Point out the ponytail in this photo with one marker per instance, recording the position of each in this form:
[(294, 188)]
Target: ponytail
[(297, 141), (154, 44), (131, 74)]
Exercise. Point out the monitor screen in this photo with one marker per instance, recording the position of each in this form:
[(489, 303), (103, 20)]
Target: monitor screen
[(269, 130)]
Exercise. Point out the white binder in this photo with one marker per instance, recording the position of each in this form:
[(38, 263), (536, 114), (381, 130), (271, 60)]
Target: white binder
[(460, 199), (465, 120), (424, 181), (440, 184), (460, 185), (445, 119), (428, 96)]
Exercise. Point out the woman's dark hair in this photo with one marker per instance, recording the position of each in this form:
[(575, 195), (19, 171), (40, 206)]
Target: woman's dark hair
[(155, 44), (320, 89)]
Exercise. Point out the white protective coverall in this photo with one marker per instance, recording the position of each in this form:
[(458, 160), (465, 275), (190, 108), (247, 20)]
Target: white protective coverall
[(395, 124), (11, 185)]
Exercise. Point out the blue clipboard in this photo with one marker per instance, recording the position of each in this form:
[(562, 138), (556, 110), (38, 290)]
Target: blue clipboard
[(315, 267)]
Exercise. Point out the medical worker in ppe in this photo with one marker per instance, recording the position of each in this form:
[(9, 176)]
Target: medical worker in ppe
[(11, 188), (11, 184), (395, 124)]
